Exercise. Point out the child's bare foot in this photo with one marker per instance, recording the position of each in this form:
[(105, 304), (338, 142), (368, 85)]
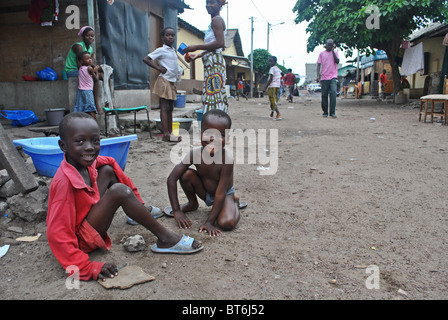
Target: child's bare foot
[(189, 206)]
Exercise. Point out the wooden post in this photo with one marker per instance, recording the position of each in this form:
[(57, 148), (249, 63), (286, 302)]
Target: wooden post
[(13, 162)]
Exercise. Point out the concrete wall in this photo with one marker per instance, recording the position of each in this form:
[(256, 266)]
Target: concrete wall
[(35, 96)]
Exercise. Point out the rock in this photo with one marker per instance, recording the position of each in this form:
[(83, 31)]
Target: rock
[(4, 176), (31, 206), (15, 229), (127, 277), (134, 243), (9, 189)]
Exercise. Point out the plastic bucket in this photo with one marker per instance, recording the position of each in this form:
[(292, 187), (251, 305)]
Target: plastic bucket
[(54, 116), (199, 114), (181, 99), (176, 126)]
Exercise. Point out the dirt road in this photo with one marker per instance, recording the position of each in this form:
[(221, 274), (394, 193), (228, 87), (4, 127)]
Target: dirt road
[(357, 209)]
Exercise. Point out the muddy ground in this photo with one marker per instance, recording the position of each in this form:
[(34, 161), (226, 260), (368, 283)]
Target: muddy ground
[(357, 209)]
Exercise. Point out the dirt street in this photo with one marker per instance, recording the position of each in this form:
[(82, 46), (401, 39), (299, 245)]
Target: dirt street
[(357, 209)]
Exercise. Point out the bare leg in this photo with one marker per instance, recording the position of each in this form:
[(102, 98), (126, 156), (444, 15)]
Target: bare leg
[(230, 214), (166, 117), (192, 186), (116, 195)]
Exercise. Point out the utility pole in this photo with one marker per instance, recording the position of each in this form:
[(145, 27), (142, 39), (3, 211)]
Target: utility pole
[(252, 57), (269, 27)]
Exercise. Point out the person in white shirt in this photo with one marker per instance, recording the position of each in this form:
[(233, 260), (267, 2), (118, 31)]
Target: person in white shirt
[(165, 86), (273, 86)]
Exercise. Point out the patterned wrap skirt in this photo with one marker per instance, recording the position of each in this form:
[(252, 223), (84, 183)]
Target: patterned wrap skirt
[(84, 101), (214, 92)]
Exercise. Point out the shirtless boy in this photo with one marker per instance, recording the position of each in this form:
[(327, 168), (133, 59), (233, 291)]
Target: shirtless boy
[(212, 181)]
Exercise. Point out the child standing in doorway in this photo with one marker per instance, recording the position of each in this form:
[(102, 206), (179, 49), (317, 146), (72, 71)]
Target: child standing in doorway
[(165, 86), (273, 86), (85, 101)]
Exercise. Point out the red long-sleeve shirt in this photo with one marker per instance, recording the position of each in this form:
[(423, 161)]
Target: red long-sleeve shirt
[(69, 203)]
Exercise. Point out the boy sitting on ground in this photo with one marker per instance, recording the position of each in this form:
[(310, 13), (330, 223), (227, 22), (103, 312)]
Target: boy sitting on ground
[(212, 180), (85, 193)]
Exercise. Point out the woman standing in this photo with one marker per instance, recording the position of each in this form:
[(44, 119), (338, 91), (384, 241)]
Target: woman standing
[(214, 92)]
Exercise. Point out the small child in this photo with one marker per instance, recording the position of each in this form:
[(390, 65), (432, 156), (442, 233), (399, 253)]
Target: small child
[(165, 86), (273, 86), (85, 193), (85, 101), (240, 90), (212, 180)]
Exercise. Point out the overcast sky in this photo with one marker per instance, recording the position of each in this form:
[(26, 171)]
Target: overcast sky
[(287, 41)]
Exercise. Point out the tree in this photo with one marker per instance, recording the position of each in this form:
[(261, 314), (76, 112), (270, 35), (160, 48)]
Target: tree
[(350, 24), (261, 64)]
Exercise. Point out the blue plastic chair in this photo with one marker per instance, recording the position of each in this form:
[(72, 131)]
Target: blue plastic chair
[(117, 111)]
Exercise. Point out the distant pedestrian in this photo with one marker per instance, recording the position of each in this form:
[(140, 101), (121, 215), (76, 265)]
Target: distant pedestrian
[(240, 90), (328, 62), (290, 81), (273, 86), (383, 82)]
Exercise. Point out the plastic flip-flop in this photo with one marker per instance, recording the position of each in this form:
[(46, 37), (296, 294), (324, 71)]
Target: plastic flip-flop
[(168, 211), (184, 246)]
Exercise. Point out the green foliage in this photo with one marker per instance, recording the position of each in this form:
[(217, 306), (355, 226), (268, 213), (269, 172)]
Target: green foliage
[(344, 21), (261, 60)]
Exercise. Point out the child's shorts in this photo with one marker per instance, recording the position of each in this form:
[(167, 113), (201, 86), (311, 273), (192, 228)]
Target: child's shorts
[(89, 239), (165, 89), (209, 199)]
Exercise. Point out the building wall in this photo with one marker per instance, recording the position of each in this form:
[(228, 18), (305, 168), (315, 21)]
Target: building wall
[(436, 49), (27, 47), (197, 67)]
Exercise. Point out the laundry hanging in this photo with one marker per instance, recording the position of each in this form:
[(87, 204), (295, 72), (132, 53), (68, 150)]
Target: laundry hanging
[(413, 60)]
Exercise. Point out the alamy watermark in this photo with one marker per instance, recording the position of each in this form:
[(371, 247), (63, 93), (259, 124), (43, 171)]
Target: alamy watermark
[(250, 146), (373, 20), (373, 280)]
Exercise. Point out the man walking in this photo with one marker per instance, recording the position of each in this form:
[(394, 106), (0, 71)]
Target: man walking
[(328, 62)]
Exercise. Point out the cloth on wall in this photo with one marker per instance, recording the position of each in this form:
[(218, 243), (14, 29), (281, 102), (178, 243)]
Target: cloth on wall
[(44, 12), (413, 60), (105, 96)]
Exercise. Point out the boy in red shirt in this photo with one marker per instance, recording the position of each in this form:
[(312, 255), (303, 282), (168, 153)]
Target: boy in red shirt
[(383, 82), (84, 195), (290, 81)]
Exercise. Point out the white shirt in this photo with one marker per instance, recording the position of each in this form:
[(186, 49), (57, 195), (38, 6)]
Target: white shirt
[(276, 75), (167, 58)]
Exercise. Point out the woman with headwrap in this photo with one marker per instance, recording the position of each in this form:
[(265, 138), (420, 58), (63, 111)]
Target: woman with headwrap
[(71, 63)]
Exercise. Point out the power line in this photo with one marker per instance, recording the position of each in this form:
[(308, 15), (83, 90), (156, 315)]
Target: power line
[(258, 10)]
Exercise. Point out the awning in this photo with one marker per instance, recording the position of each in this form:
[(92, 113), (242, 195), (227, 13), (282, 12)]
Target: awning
[(237, 61)]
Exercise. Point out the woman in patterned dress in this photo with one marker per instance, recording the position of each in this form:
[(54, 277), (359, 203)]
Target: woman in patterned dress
[(214, 92)]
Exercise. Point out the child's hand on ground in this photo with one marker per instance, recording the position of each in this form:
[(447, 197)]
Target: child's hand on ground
[(109, 270), (212, 230), (182, 220)]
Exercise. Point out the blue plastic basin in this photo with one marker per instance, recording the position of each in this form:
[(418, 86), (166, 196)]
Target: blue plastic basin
[(47, 156)]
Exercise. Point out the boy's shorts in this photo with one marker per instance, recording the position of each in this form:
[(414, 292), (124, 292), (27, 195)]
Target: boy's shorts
[(89, 239), (209, 199)]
